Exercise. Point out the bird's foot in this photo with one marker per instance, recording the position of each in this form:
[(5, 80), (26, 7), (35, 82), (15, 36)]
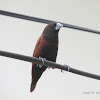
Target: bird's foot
[(68, 68), (62, 71), (43, 59)]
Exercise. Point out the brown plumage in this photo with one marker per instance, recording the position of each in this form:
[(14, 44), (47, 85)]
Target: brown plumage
[(46, 47)]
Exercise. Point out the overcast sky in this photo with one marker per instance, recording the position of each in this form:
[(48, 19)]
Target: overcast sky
[(80, 50)]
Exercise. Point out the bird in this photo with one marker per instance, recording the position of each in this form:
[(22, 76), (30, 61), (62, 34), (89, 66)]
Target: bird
[(46, 48)]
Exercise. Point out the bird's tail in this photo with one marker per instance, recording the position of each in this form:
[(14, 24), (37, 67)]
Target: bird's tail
[(32, 87)]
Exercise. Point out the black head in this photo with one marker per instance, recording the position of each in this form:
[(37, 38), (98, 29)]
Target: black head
[(52, 28), (51, 31)]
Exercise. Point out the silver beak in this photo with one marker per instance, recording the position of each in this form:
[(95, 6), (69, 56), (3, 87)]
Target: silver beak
[(58, 26)]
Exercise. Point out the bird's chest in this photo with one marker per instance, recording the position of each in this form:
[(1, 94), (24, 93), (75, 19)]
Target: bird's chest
[(49, 52)]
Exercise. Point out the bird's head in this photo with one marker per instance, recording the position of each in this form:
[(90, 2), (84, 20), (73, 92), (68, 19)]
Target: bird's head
[(55, 26), (52, 28)]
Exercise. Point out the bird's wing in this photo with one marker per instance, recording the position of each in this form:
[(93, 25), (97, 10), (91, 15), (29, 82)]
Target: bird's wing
[(46, 50), (39, 46), (36, 71)]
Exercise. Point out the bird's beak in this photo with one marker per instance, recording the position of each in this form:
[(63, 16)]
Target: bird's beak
[(58, 26)]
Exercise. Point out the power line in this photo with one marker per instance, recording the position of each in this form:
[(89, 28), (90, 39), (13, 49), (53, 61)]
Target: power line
[(25, 17), (48, 63)]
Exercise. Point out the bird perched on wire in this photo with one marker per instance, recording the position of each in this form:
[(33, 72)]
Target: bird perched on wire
[(46, 48)]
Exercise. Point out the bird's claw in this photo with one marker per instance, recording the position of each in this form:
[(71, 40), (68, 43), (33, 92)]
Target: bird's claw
[(68, 68), (62, 71), (39, 65)]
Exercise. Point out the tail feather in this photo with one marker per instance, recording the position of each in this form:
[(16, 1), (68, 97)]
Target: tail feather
[(32, 87)]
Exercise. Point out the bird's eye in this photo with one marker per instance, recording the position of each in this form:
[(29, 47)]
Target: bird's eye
[(53, 25)]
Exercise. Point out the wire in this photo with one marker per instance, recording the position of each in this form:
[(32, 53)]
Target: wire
[(25, 17), (48, 63)]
